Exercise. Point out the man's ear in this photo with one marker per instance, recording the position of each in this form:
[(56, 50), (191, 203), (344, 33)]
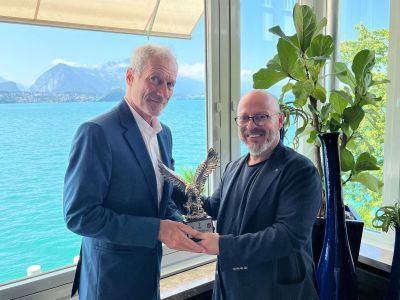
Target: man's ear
[(129, 76), (281, 119)]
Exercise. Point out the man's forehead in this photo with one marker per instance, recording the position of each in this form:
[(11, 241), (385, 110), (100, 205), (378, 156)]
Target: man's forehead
[(168, 66)]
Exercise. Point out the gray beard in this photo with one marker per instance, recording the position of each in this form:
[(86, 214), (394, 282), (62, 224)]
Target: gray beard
[(258, 149)]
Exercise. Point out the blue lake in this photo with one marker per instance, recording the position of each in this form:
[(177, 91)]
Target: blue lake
[(34, 148)]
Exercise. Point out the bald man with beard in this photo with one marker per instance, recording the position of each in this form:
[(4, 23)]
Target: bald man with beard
[(265, 207)]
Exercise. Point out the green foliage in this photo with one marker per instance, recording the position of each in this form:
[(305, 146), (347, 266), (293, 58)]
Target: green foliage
[(300, 59), (387, 217), (372, 130), (187, 174)]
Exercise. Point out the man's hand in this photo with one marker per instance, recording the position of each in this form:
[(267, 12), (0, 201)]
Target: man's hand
[(174, 235), (210, 241)]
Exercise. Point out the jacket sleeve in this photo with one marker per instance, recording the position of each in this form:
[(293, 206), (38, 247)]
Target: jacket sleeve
[(86, 186), (298, 199)]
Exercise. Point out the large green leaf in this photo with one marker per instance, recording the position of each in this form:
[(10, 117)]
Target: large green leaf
[(362, 63), (287, 55), (278, 31), (319, 93), (321, 46), (305, 24), (353, 116), (266, 77), (325, 110), (274, 63), (370, 181), (320, 25), (339, 103), (344, 74), (346, 160), (366, 162), (301, 90)]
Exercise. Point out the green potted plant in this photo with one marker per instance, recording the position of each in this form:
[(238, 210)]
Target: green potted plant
[(300, 60), (389, 217)]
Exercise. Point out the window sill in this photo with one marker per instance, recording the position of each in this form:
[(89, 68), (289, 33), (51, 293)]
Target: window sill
[(374, 256), (189, 283)]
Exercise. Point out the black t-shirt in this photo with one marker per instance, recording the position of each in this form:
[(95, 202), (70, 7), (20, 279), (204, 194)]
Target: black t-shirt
[(238, 197)]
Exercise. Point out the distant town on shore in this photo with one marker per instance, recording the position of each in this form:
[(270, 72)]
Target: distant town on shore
[(65, 83)]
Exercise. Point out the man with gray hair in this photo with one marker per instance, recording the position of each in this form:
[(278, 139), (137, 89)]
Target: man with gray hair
[(114, 195), (265, 207)]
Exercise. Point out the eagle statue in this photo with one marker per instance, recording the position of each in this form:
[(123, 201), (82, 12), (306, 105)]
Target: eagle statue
[(194, 189)]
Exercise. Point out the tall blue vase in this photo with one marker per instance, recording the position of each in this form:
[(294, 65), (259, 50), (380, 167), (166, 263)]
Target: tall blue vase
[(393, 291), (336, 275)]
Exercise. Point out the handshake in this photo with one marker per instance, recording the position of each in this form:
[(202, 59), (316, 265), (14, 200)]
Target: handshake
[(176, 236)]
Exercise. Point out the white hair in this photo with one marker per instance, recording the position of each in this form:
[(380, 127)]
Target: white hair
[(142, 54)]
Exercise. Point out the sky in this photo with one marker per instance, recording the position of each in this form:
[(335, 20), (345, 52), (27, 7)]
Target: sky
[(27, 51)]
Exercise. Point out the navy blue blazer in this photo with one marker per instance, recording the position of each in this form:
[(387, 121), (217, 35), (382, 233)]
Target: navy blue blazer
[(271, 255), (110, 198)]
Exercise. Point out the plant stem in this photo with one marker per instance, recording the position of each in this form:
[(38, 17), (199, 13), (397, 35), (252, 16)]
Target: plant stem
[(315, 123)]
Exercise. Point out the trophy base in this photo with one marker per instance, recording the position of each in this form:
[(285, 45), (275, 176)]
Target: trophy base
[(203, 225)]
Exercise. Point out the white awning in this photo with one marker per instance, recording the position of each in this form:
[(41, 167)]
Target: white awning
[(171, 18)]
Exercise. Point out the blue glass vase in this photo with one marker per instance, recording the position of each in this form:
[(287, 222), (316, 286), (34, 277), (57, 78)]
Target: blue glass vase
[(393, 292), (336, 275)]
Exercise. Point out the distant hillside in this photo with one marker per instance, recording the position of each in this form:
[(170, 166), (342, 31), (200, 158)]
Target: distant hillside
[(115, 95), (67, 79), (65, 83), (103, 80), (8, 86)]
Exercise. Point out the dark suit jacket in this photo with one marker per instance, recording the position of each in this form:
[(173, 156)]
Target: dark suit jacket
[(110, 198), (270, 257)]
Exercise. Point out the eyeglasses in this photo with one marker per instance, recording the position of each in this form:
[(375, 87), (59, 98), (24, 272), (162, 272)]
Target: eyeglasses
[(259, 119)]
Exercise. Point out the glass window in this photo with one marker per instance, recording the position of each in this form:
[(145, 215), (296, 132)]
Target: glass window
[(258, 45), (268, 3), (63, 78), (365, 25)]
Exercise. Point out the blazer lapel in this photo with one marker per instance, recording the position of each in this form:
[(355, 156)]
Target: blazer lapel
[(134, 139), (267, 175), (167, 161)]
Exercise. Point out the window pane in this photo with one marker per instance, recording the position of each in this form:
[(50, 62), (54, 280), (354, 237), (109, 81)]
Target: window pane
[(258, 45), (364, 25), (51, 81)]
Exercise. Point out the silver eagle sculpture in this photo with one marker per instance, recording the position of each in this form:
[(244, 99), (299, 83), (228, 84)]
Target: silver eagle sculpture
[(194, 204)]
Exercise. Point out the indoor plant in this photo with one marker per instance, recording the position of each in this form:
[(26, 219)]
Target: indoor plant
[(389, 217), (301, 59)]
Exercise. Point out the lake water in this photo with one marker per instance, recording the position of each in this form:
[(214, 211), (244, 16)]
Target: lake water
[(34, 145)]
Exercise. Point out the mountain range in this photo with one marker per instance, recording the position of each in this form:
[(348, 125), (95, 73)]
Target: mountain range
[(72, 83)]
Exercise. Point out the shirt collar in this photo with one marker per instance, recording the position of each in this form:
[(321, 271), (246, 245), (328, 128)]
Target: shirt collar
[(143, 125)]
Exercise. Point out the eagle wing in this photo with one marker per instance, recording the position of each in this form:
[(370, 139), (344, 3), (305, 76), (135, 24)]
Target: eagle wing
[(171, 176), (205, 169)]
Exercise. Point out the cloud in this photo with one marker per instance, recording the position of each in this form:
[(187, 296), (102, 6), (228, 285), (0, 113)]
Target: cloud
[(193, 71), (57, 61), (246, 75), (122, 65)]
